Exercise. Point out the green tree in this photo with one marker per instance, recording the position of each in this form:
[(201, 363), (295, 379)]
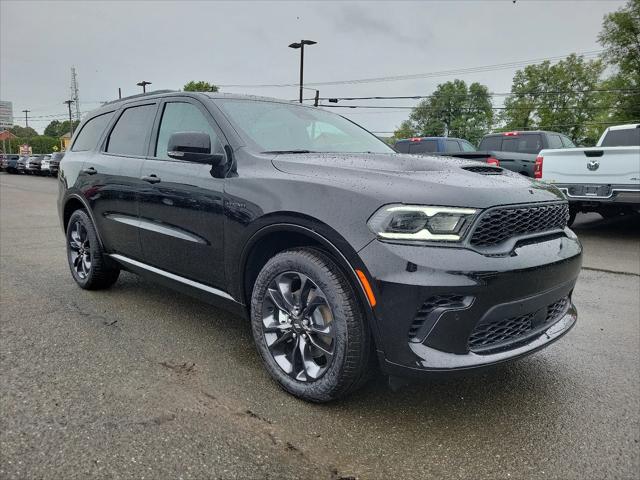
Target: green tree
[(455, 110), (19, 131), (57, 128), (620, 36), (406, 130), (562, 97), (200, 86), (53, 129)]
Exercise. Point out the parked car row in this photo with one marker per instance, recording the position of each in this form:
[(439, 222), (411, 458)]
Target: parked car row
[(515, 151), (603, 179), (34, 164)]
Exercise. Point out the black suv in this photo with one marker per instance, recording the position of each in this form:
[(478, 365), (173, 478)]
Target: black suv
[(342, 252)]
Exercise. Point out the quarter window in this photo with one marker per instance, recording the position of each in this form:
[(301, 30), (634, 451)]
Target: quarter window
[(130, 136), (91, 132), (183, 117)]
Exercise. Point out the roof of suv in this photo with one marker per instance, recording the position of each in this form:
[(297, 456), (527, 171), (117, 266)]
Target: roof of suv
[(115, 104), (519, 132), (420, 139)]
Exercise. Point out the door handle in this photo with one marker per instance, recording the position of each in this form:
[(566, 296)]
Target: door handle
[(90, 171), (151, 178)]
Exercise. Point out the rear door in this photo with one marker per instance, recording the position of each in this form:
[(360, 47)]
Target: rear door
[(111, 178), (182, 212)]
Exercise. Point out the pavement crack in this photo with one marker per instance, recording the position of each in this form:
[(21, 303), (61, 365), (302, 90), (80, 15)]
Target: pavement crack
[(185, 368), (616, 272)]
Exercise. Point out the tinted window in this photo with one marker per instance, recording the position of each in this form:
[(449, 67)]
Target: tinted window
[(131, 134), (402, 147), (183, 117), (425, 146), (522, 143), (451, 146), (491, 143), (628, 137), (91, 132), (466, 146), (566, 142), (554, 141)]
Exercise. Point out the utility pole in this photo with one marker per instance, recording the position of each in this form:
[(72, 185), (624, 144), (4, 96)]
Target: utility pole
[(75, 96), (301, 47), (143, 84), (69, 102), (26, 117)]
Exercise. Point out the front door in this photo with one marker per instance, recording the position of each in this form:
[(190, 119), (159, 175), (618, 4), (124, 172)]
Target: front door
[(181, 211)]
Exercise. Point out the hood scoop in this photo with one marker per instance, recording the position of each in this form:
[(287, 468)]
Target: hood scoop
[(484, 169)]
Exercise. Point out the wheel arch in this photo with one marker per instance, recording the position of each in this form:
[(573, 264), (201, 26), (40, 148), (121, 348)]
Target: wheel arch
[(284, 234), (75, 202)]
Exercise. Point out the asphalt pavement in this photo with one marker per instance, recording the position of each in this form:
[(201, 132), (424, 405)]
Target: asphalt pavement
[(141, 382)]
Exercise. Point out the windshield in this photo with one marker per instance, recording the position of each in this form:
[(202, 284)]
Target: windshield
[(281, 127)]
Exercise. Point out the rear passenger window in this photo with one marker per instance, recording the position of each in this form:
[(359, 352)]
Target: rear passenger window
[(555, 141), (183, 117), (451, 146), (91, 132), (130, 136), (491, 143), (527, 143), (424, 146), (566, 142)]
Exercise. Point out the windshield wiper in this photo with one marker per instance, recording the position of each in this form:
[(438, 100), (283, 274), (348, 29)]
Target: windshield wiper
[(289, 151)]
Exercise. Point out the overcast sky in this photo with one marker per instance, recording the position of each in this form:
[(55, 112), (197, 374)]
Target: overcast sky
[(116, 44)]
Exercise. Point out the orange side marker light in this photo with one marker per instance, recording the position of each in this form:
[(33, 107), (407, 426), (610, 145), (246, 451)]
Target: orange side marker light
[(367, 288)]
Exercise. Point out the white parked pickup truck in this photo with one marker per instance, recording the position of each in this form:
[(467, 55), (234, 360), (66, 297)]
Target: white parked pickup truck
[(603, 179)]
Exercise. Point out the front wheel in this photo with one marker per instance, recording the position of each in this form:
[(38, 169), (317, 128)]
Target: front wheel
[(308, 326)]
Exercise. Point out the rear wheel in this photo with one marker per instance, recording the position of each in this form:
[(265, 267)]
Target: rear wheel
[(90, 267), (308, 326)]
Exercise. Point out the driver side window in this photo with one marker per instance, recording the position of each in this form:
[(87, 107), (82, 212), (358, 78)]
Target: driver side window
[(183, 117)]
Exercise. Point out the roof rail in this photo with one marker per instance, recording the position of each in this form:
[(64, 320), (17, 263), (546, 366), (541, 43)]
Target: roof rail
[(139, 95)]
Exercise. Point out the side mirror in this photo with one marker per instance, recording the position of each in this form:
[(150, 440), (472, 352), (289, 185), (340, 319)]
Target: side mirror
[(193, 147)]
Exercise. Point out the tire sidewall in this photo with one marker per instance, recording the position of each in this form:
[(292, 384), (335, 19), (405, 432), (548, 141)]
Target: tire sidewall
[(322, 388), (82, 217)]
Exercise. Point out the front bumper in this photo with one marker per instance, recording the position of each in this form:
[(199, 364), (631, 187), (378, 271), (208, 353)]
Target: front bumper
[(434, 304)]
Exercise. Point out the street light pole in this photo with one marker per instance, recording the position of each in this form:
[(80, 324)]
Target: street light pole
[(143, 84), (69, 102), (301, 47)]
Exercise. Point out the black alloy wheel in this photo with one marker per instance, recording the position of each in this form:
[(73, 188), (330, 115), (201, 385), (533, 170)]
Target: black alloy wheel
[(298, 326), (309, 326), (89, 264)]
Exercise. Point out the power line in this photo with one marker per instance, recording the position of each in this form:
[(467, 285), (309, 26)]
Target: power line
[(494, 94), (415, 76), (538, 127)]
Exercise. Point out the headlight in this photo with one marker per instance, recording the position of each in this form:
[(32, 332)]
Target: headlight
[(421, 223)]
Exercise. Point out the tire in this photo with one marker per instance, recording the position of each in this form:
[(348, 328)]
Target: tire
[(89, 265), (331, 306)]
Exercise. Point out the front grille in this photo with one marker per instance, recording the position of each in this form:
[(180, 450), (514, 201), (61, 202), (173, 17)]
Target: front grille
[(484, 170), (494, 335), (447, 301), (500, 224)]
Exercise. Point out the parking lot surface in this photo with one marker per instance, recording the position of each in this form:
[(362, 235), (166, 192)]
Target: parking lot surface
[(141, 382)]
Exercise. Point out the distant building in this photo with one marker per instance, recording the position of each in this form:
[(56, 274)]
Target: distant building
[(6, 135), (6, 114), (65, 140)]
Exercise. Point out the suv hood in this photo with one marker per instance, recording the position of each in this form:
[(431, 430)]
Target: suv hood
[(418, 179)]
